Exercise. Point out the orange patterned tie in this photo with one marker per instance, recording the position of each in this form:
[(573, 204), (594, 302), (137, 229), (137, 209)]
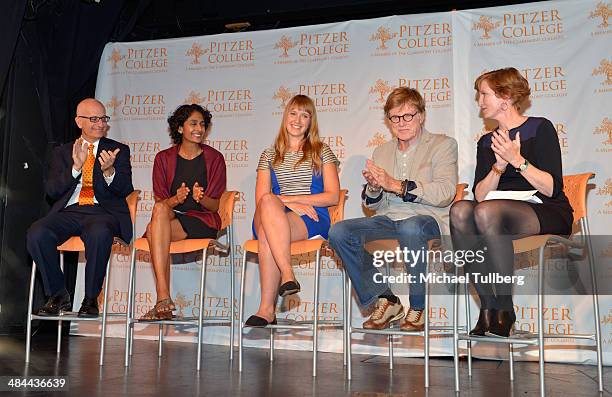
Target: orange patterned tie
[(86, 197)]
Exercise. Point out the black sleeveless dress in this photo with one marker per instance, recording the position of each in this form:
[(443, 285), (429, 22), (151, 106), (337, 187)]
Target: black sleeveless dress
[(190, 172)]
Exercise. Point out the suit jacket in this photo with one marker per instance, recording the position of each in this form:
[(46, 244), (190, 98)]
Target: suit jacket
[(60, 183), (434, 171)]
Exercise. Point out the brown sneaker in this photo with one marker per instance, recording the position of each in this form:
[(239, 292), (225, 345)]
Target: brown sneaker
[(414, 320), (385, 313)]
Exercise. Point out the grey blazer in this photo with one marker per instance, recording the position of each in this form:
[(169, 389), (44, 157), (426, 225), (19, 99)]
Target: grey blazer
[(434, 171)]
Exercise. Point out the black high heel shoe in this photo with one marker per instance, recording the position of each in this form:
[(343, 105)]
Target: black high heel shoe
[(486, 317), (502, 323), (258, 322), (289, 288)]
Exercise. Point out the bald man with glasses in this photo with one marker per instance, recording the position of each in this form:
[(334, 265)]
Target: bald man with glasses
[(89, 180)]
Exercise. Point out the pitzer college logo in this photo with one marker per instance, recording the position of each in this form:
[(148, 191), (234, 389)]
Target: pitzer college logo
[(605, 129), (113, 104), (377, 140), (606, 190), (605, 69), (603, 11), (383, 34), (115, 57), (486, 25), (196, 51), (381, 88), (283, 95), (285, 43)]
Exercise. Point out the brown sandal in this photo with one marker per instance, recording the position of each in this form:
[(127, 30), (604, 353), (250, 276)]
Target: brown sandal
[(161, 311)]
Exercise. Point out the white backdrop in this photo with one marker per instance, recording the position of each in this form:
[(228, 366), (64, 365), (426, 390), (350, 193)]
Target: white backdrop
[(562, 47)]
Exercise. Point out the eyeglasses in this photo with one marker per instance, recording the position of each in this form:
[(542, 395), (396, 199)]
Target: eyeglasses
[(95, 119), (407, 117)]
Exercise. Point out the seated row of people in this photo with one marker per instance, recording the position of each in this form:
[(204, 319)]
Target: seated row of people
[(410, 182)]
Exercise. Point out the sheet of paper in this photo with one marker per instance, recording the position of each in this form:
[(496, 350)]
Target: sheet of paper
[(520, 195)]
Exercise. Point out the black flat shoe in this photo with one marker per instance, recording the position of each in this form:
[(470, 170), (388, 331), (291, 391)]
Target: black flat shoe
[(89, 308), (56, 304), (289, 288), (502, 323), (484, 322), (258, 322)]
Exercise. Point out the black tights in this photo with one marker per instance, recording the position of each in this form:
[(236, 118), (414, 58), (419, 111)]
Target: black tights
[(492, 224)]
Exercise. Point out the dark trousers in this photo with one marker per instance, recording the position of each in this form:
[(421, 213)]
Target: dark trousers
[(93, 224)]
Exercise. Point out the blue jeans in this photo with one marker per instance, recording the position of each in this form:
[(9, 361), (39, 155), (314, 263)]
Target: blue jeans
[(348, 237)]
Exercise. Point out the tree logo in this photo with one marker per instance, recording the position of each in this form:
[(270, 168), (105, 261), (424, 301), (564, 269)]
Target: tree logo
[(285, 43), (377, 140), (605, 128), (113, 104), (383, 35), (283, 94), (382, 88), (486, 25), (181, 303), (603, 11), (193, 97), (605, 68), (196, 51), (115, 57)]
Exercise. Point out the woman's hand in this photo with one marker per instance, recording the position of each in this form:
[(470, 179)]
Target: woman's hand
[(181, 194), (198, 192), (506, 150), (302, 209)]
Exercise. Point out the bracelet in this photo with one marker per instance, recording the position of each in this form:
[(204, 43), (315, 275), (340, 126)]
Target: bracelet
[(497, 171), (403, 188)]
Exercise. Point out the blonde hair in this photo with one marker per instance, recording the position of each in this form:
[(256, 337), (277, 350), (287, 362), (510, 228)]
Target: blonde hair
[(312, 143), (506, 83)]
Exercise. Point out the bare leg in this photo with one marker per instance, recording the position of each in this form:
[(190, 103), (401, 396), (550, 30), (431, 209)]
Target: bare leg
[(274, 240), (163, 229)]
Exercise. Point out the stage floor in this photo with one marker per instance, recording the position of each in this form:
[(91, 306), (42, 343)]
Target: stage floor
[(174, 374)]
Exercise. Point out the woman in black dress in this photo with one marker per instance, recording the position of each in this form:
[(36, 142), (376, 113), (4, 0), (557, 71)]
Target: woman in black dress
[(522, 153), (188, 180)]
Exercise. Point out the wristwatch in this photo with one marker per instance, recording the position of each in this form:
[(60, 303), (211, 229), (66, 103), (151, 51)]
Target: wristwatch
[(523, 166)]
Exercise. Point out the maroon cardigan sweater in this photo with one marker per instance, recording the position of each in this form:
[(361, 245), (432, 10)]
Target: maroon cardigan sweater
[(164, 168)]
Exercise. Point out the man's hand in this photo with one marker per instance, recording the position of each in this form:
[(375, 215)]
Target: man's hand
[(380, 177), (79, 154), (198, 192), (107, 159)]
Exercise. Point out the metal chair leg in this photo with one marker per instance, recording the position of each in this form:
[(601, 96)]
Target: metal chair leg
[(456, 333), (271, 344), (160, 341), (128, 311), (344, 316), (241, 310), (315, 324), (201, 313), (390, 337), (30, 303), (349, 328), (230, 236), (511, 360), (59, 323), (468, 323), (105, 310), (426, 333), (541, 319)]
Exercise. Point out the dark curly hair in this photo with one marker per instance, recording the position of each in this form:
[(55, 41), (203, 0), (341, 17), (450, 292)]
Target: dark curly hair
[(181, 114)]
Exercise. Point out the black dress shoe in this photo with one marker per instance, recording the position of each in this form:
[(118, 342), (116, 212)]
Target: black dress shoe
[(89, 308), (258, 322), (484, 322), (501, 323), (289, 288), (57, 303)]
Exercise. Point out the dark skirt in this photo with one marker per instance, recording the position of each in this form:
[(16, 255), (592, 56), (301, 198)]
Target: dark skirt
[(554, 219), (194, 227)]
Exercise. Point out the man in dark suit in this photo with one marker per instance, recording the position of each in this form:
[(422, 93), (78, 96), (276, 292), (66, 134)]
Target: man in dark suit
[(90, 179)]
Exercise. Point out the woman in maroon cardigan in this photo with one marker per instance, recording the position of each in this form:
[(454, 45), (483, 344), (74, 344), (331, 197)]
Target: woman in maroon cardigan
[(188, 180)]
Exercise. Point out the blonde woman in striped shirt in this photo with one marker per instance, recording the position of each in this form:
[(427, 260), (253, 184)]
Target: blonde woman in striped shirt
[(297, 179)]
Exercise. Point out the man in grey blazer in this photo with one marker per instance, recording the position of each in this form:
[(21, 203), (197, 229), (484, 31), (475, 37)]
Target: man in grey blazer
[(411, 182)]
